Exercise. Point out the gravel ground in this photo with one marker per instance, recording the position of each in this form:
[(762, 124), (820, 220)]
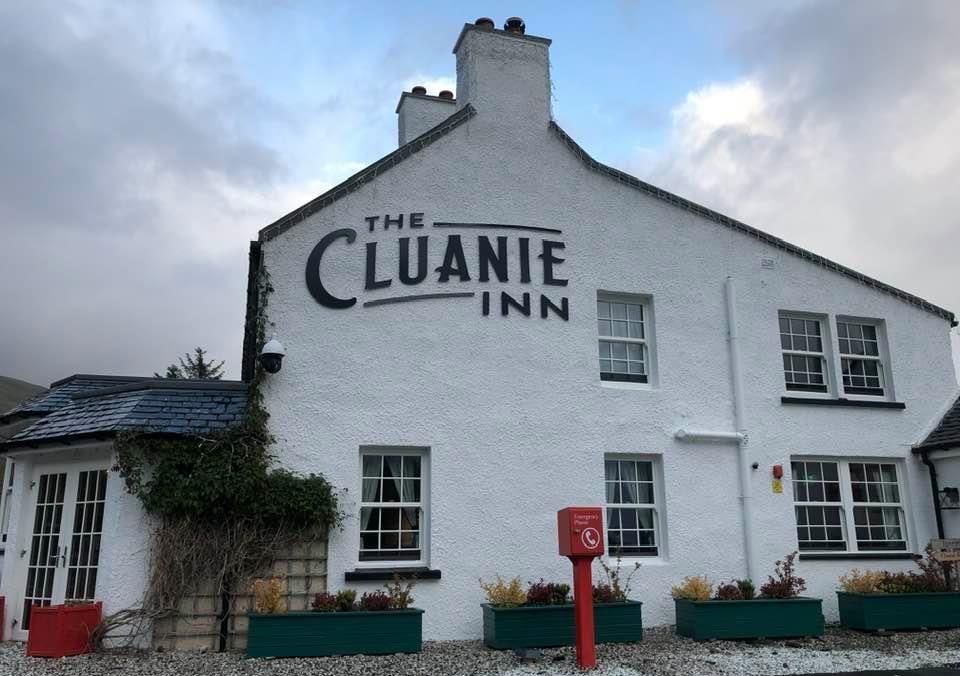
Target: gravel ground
[(660, 653)]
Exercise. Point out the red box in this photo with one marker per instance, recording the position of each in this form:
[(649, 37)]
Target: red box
[(580, 531), (59, 631)]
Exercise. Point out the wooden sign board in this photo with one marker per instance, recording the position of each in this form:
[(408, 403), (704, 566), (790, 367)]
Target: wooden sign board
[(946, 550)]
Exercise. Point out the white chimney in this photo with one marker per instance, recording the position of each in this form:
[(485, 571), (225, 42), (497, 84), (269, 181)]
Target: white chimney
[(417, 112), (504, 74)]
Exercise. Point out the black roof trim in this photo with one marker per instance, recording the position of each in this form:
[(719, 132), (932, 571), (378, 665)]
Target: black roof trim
[(66, 440), (166, 384), (717, 217), (366, 175), (71, 439), (946, 434), (19, 415), (425, 97), (467, 27), (119, 379)]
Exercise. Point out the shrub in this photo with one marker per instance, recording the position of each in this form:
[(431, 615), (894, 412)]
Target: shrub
[(324, 603), (784, 583), (504, 594), (747, 590), (268, 596), (400, 594), (729, 591), (346, 600), (619, 588), (375, 600), (693, 588), (547, 593), (862, 582), (604, 593)]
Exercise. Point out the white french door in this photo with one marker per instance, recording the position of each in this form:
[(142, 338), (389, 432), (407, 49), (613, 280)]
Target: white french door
[(65, 529)]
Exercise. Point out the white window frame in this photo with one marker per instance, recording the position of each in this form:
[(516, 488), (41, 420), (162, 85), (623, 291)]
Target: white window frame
[(657, 506), (6, 495), (882, 359), (848, 506), (647, 342), (423, 505), (825, 355)]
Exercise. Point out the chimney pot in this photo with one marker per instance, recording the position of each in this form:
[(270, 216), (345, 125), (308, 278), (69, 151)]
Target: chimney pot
[(484, 22), (515, 25), (419, 90), (446, 94)]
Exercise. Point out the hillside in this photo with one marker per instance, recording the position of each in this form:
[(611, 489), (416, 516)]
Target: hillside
[(13, 391)]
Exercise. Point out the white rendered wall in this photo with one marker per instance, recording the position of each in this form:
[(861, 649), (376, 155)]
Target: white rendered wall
[(418, 114), (124, 551), (512, 408)]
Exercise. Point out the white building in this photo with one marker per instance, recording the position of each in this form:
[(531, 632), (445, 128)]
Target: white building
[(488, 325), (495, 307)]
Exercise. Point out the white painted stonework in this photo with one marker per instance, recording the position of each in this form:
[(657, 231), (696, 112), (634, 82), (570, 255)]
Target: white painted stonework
[(512, 409)]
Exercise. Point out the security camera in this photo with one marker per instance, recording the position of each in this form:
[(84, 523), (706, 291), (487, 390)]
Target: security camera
[(271, 356)]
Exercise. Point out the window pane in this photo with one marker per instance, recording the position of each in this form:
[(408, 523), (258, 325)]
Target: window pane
[(603, 309), (604, 328), (390, 519), (369, 518), (371, 465), (410, 518), (635, 313), (628, 470), (391, 490), (612, 470), (618, 310), (411, 466), (411, 490), (371, 490)]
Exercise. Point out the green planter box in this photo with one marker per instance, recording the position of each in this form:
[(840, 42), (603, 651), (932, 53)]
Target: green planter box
[(876, 612), (553, 626), (757, 618), (322, 634)]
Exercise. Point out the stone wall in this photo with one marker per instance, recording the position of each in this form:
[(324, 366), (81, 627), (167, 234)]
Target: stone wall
[(197, 626)]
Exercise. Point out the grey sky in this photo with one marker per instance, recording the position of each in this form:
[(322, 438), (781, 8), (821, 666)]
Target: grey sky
[(139, 154)]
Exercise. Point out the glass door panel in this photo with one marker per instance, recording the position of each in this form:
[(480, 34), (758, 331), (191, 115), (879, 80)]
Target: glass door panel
[(84, 555), (44, 543)]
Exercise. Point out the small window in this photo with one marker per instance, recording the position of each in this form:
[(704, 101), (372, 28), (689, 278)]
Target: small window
[(860, 360), (631, 506), (624, 332), (391, 506), (848, 506), (804, 361)]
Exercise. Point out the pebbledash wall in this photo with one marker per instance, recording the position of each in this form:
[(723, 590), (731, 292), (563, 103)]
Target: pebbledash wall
[(510, 411)]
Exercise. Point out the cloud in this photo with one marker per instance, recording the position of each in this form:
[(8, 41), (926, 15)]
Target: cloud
[(842, 136), (129, 187)]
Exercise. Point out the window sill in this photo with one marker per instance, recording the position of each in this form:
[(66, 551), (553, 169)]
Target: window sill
[(855, 403), (380, 574), (856, 556), (625, 385)]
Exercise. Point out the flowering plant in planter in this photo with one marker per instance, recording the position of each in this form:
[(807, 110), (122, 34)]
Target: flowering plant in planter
[(541, 615), (734, 611), (874, 600), (380, 622)]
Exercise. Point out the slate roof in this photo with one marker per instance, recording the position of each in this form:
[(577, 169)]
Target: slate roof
[(946, 434), (156, 405), (61, 392)]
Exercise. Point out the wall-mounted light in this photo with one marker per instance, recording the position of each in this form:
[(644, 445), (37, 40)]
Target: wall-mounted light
[(271, 356), (950, 498)]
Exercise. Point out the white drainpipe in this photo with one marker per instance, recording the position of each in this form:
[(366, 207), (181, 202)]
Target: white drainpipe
[(746, 500), (740, 436)]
